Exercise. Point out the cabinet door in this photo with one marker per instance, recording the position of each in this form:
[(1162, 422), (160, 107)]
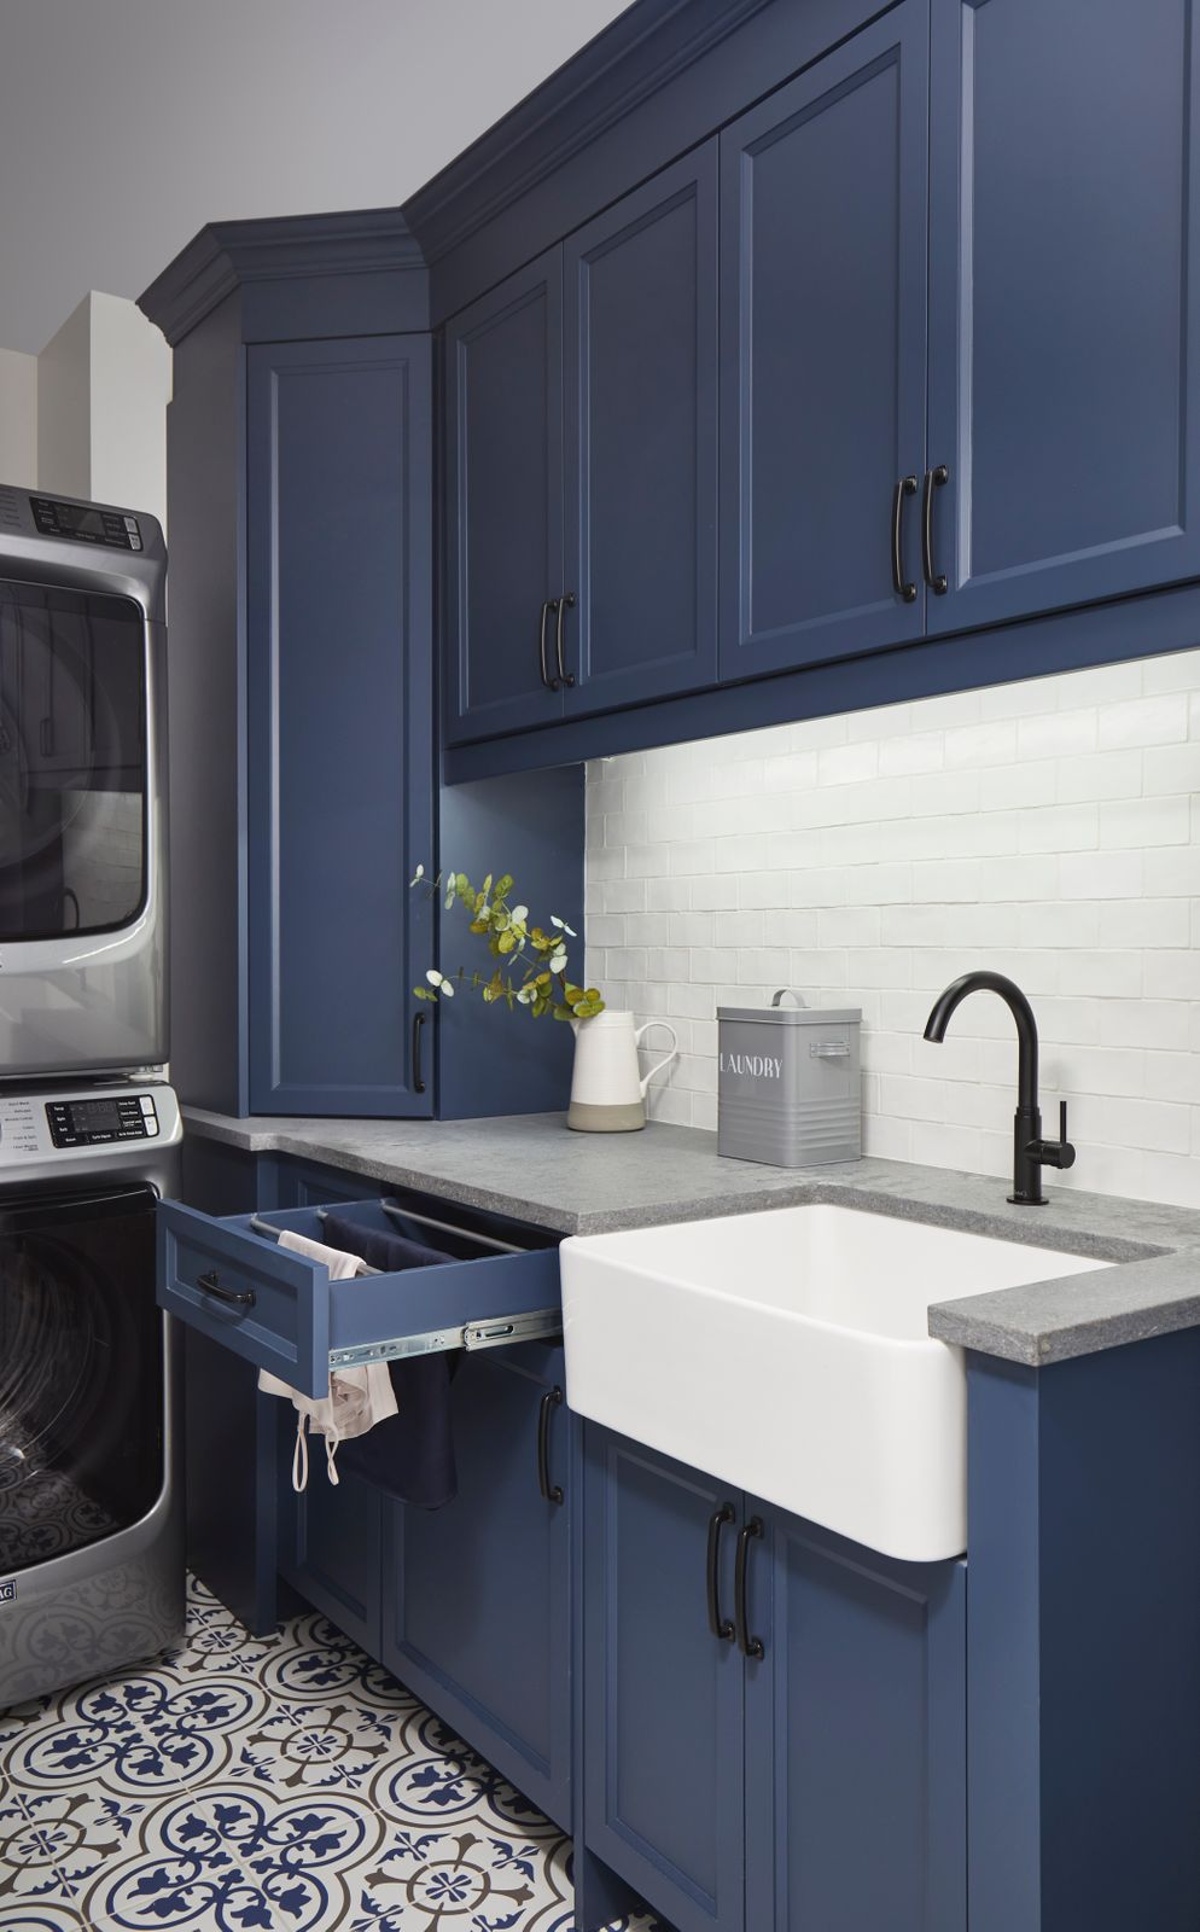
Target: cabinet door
[(339, 753), (663, 1776), (329, 1540), (1064, 255), (855, 1737), (641, 442), (823, 241), (477, 1608), (504, 512)]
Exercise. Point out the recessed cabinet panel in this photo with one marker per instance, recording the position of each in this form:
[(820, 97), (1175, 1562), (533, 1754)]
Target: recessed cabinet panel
[(662, 1696), (1063, 255), (823, 356), (338, 447), (504, 371), (641, 331), (856, 1739)]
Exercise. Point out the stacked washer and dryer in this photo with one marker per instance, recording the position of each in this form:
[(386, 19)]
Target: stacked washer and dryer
[(91, 1559)]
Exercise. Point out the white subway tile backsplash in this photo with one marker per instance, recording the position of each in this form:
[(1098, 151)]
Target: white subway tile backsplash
[(1048, 829)]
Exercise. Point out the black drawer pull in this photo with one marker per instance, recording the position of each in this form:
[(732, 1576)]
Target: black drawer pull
[(750, 1646), (417, 1076), (934, 479), (236, 1297), (719, 1625), (550, 683), (907, 486), (552, 1492), (564, 604)]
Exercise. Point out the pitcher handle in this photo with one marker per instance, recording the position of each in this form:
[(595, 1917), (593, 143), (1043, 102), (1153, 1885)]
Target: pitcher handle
[(662, 1063)]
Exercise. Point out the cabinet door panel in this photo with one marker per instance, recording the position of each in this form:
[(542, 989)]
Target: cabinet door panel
[(641, 427), (338, 606), (329, 1540), (476, 1615), (663, 1780), (504, 449), (856, 1739), (823, 361), (1064, 252)]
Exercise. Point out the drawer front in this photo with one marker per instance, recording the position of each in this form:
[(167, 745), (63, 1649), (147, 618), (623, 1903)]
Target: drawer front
[(279, 1310)]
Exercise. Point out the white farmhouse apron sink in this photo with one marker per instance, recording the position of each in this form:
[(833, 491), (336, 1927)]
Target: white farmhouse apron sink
[(787, 1352)]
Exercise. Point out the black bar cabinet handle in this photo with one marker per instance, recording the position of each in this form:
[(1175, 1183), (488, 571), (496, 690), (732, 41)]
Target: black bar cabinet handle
[(934, 479), (564, 604), (719, 1625), (907, 486), (552, 1492), (550, 683), (236, 1297), (750, 1646), (418, 1076)]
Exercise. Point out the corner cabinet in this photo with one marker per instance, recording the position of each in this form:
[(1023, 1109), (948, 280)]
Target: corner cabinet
[(582, 468), (774, 1718), (339, 705)]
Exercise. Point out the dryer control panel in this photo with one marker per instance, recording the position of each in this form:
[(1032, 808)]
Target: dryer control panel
[(54, 1125), (93, 1123)]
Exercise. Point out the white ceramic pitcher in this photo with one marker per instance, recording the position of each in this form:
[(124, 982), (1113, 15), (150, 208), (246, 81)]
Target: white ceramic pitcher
[(608, 1090)]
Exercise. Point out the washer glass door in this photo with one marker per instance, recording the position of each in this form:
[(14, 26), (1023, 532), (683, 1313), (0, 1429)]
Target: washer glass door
[(81, 1371)]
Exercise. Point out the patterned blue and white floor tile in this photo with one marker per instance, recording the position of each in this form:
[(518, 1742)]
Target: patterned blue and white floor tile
[(284, 1784)]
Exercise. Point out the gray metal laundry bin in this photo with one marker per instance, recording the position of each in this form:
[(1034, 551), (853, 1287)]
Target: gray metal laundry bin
[(789, 1084)]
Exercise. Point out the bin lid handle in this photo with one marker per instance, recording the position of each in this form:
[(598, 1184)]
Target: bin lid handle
[(784, 991)]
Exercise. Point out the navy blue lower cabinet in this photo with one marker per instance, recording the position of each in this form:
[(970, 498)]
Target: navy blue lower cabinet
[(774, 1718), (663, 1698), (855, 1736), (476, 1594), (329, 1540)]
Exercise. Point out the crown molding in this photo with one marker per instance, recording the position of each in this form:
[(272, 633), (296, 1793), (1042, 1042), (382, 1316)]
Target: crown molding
[(226, 255), (640, 53)]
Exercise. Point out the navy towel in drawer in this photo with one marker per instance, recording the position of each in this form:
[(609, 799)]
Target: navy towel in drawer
[(411, 1454)]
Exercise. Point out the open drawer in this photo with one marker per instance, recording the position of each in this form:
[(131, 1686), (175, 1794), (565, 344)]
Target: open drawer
[(231, 1280)]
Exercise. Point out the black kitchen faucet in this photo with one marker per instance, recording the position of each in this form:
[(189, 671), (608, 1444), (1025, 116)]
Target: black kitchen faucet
[(1030, 1152)]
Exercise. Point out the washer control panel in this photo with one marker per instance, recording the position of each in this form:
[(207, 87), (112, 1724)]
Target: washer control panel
[(85, 523), (93, 1123), (86, 1120)]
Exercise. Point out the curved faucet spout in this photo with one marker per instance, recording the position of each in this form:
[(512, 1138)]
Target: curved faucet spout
[(1022, 1012)]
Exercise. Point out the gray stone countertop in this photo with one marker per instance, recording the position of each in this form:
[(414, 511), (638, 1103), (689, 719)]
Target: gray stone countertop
[(530, 1166)]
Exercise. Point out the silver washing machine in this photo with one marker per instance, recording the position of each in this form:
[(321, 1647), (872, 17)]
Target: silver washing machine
[(91, 1538)]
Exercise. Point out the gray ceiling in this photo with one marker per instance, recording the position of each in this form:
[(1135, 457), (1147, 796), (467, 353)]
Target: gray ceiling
[(127, 124)]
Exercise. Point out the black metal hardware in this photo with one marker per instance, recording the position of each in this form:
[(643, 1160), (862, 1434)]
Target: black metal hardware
[(934, 479), (1030, 1152), (750, 1646), (418, 1076), (564, 604), (550, 1401), (550, 683), (907, 486), (719, 1625), (236, 1297)]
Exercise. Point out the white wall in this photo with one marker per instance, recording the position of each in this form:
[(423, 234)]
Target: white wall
[(18, 418), (1049, 830), (64, 407), (103, 385)]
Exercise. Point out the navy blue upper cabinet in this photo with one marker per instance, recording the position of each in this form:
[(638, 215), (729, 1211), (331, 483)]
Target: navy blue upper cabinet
[(504, 478), (641, 442), (1064, 249), (339, 719), (582, 467), (823, 310)]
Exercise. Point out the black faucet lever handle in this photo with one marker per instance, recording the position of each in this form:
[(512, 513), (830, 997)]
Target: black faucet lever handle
[(1054, 1153)]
